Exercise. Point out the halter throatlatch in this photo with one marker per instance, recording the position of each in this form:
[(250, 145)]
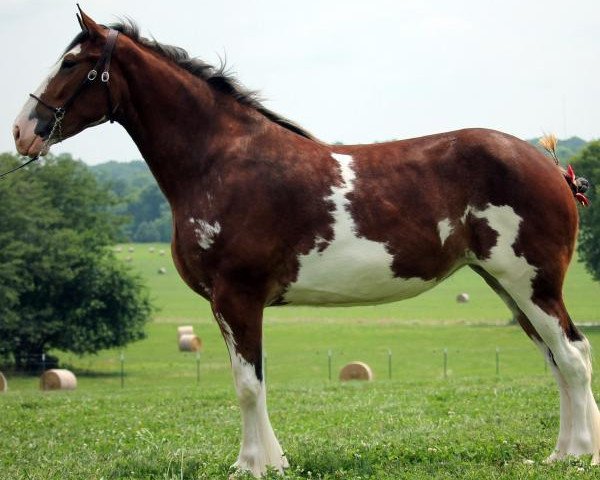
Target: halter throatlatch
[(103, 64)]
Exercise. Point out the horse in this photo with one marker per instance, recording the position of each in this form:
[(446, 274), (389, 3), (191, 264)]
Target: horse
[(266, 214)]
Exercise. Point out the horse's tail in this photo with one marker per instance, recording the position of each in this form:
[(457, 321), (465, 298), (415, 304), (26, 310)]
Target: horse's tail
[(578, 185)]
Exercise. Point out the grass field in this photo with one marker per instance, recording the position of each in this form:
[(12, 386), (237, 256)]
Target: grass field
[(164, 424)]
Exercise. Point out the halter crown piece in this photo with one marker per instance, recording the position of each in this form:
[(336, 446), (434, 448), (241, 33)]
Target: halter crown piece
[(102, 64)]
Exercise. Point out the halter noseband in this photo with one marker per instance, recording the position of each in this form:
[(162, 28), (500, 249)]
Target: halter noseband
[(103, 64)]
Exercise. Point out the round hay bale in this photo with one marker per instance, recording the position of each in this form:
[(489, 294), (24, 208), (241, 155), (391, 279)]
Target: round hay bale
[(190, 343), (130, 249), (161, 252), (184, 330), (118, 249), (162, 270), (3, 383), (58, 379), (356, 371), (151, 249), (462, 298)]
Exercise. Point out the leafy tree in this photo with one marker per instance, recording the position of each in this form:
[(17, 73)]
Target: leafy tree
[(146, 232), (587, 164), (60, 285)]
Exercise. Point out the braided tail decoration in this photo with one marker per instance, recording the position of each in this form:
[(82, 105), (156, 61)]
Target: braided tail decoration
[(578, 185)]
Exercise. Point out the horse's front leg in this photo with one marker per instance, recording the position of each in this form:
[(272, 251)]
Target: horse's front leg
[(239, 314)]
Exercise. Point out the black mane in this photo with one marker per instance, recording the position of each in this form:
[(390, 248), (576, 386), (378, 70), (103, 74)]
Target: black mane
[(218, 78)]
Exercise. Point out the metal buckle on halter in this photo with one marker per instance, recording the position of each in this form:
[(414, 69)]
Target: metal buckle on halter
[(105, 76), (59, 113), (92, 74)]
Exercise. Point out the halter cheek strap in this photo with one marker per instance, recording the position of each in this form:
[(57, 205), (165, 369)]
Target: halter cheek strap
[(102, 64)]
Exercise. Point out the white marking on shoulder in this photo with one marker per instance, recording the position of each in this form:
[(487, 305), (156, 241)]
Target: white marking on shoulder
[(351, 270), (445, 229), (206, 232)]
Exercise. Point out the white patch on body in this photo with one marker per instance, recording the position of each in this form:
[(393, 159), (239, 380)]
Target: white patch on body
[(445, 230), (579, 417), (352, 270), (206, 232), (260, 448)]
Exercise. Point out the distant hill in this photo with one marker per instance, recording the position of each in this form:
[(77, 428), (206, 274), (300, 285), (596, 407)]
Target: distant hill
[(566, 148)]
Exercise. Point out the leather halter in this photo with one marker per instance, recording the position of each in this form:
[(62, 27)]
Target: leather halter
[(102, 64)]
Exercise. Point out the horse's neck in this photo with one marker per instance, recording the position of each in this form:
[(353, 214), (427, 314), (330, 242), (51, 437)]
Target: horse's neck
[(175, 120)]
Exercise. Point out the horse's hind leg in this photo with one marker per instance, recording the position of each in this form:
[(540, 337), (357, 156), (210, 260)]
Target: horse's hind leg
[(564, 444), (239, 315), (543, 316), (569, 358)]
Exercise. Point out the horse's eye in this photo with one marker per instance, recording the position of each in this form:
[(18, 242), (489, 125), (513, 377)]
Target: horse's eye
[(68, 63)]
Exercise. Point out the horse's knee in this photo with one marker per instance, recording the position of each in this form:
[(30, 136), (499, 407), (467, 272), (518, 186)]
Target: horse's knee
[(248, 390), (247, 385)]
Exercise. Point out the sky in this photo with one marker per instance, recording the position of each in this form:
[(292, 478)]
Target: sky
[(345, 70)]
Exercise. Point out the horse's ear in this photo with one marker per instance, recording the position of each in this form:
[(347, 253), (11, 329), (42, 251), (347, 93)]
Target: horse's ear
[(81, 24), (87, 24)]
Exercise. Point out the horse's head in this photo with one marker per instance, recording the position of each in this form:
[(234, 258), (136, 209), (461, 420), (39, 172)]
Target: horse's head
[(81, 91)]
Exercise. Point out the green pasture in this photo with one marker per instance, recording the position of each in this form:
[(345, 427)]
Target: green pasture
[(168, 423)]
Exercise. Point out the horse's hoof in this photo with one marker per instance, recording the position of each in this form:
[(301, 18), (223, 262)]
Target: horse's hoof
[(555, 456)]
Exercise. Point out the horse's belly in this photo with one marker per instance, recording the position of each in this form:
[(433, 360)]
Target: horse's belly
[(351, 272)]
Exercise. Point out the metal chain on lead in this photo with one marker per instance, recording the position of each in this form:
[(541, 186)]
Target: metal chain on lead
[(57, 126)]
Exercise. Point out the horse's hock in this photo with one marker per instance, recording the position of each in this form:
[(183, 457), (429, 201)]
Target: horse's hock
[(3, 383), (356, 371), (58, 379)]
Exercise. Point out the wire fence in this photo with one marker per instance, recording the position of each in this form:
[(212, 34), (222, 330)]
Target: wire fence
[(324, 365)]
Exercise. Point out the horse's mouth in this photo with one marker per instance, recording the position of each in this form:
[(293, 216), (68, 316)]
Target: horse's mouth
[(38, 147)]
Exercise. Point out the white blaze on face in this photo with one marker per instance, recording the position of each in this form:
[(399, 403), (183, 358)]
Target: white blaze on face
[(26, 121), (352, 269)]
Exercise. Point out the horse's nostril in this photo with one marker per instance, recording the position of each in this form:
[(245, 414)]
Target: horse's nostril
[(16, 132)]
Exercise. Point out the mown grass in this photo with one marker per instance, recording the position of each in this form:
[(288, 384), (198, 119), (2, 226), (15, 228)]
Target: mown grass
[(470, 428), (166, 425)]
